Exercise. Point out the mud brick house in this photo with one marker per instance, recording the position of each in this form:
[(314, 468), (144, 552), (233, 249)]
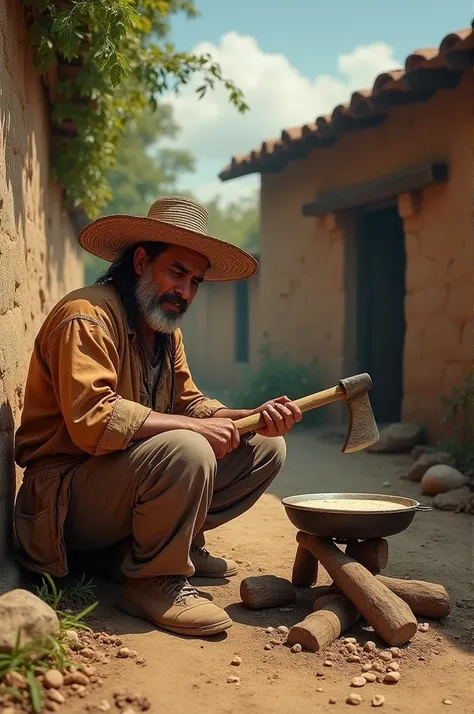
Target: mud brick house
[(366, 234), (39, 257)]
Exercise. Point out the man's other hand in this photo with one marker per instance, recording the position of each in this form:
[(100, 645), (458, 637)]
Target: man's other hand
[(280, 416)]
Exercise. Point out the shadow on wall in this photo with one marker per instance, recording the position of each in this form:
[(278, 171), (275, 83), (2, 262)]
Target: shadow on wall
[(7, 479)]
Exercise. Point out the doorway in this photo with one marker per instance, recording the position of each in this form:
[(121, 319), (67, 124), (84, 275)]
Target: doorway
[(381, 263)]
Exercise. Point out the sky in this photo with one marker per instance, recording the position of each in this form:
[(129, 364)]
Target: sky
[(293, 61)]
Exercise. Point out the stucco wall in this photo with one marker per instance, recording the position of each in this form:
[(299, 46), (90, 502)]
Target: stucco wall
[(209, 333), (304, 271), (39, 260)]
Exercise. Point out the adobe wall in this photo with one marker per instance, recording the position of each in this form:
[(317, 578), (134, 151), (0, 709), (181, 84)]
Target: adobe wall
[(39, 260), (305, 273)]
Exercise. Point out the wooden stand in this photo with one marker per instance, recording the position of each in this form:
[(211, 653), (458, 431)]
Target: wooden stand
[(388, 604)]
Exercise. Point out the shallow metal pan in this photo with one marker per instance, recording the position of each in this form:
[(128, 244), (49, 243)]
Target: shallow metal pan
[(351, 525)]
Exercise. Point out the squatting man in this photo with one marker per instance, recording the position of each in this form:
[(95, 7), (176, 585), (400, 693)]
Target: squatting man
[(121, 451)]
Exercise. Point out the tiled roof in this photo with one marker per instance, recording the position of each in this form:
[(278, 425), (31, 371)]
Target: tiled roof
[(426, 71)]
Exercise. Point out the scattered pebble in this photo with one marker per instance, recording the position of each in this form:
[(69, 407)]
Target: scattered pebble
[(377, 667), (319, 689), (53, 679), (51, 706), (285, 609), (56, 696), (327, 663), (393, 667), (386, 656), (283, 629), (369, 646), (236, 661), (88, 669), (123, 652), (87, 652), (76, 678), (104, 706), (333, 701), (268, 646), (358, 682), (395, 652), (269, 630), (367, 667), (319, 674), (392, 677), (353, 658), (141, 660), (369, 676), (350, 647), (350, 641), (378, 700), (296, 648), (386, 484), (354, 699), (8, 710), (447, 701), (233, 679), (423, 627)]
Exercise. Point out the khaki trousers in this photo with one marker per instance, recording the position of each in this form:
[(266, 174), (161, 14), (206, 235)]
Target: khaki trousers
[(166, 491)]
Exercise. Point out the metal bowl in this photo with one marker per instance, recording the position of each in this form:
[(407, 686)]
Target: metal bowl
[(341, 524)]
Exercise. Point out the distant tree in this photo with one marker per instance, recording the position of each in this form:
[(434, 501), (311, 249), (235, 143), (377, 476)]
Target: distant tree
[(236, 222)]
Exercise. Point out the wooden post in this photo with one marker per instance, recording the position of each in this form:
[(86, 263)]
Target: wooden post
[(372, 553), (305, 568), (321, 628)]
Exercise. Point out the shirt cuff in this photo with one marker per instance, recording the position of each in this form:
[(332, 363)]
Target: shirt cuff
[(207, 408), (125, 420)]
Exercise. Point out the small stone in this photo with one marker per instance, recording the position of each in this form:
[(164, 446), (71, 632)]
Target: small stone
[(269, 630), (423, 627), (386, 484), (8, 710), (87, 652), (268, 646), (233, 679), (16, 680), (56, 696), (386, 656), (392, 677), (88, 669), (70, 636), (104, 706), (141, 661), (353, 699), (327, 663), (319, 689), (367, 667), (236, 661), (393, 667), (358, 682), (353, 658), (76, 678), (447, 701), (369, 646), (132, 654), (350, 641), (53, 679), (51, 706), (283, 629), (369, 676), (395, 652), (333, 701), (378, 700), (320, 674), (351, 648), (296, 648), (123, 652), (377, 667), (426, 461), (23, 612)]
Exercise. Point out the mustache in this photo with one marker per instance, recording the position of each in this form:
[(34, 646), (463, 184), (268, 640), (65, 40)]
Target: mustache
[(172, 297)]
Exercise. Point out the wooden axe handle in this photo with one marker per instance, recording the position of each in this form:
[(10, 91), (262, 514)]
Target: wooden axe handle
[(312, 401)]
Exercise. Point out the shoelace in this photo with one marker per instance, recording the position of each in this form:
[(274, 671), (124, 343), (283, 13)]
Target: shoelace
[(199, 550), (177, 587)]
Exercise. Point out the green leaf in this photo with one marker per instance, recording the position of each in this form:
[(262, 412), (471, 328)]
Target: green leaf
[(35, 692)]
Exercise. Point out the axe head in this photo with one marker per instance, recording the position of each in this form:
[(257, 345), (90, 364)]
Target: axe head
[(362, 430)]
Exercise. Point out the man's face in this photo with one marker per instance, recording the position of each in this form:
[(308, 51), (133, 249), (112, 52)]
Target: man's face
[(167, 285)]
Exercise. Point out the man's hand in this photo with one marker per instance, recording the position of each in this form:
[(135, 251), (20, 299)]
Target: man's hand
[(221, 433), (280, 416)]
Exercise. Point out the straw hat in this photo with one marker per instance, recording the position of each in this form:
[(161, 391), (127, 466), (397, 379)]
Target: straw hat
[(171, 219)]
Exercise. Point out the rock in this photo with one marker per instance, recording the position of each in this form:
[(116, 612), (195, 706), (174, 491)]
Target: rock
[(236, 661), (76, 678), (353, 658), (369, 646), (296, 648), (53, 679), (386, 656), (353, 699), (327, 663), (392, 677), (457, 500), (423, 627), (440, 479), (369, 676), (123, 652), (378, 700), (283, 629), (56, 696), (395, 651), (87, 652), (367, 667), (8, 710), (104, 706), (233, 679), (358, 682), (426, 461), (22, 611), (393, 667), (421, 449), (397, 438), (447, 701)]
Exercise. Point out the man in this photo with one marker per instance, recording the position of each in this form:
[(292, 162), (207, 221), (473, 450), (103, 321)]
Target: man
[(118, 444)]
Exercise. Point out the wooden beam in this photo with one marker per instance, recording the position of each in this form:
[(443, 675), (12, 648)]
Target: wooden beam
[(413, 178)]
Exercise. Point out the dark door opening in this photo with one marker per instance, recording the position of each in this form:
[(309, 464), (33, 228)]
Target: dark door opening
[(381, 265)]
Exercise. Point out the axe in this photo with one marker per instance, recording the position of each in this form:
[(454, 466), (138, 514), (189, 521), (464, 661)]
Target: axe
[(362, 430)]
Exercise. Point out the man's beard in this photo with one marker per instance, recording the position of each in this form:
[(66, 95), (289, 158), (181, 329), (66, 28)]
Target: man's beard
[(150, 305)]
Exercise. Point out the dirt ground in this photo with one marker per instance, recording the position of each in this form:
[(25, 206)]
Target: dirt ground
[(190, 675)]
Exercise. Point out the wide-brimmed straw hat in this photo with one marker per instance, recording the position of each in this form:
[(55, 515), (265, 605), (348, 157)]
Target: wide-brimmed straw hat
[(172, 219)]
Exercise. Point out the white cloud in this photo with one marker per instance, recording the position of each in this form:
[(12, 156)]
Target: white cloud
[(279, 97)]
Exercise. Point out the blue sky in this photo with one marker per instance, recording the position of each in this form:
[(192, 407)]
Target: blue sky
[(293, 61)]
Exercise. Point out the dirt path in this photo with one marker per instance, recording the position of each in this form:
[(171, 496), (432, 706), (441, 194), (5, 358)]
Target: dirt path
[(188, 675)]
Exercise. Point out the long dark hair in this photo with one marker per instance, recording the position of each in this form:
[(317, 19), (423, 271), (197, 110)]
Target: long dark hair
[(121, 274)]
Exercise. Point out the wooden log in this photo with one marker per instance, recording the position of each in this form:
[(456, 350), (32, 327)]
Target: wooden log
[(388, 614), (266, 591), (424, 599), (372, 553), (305, 568), (318, 630), (324, 600)]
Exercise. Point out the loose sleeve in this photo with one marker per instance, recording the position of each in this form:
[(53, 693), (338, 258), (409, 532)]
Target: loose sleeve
[(189, 400), (83, 362)]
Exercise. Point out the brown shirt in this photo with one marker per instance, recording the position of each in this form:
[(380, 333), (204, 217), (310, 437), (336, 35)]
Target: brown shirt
[(86, 395), (86, 392)]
